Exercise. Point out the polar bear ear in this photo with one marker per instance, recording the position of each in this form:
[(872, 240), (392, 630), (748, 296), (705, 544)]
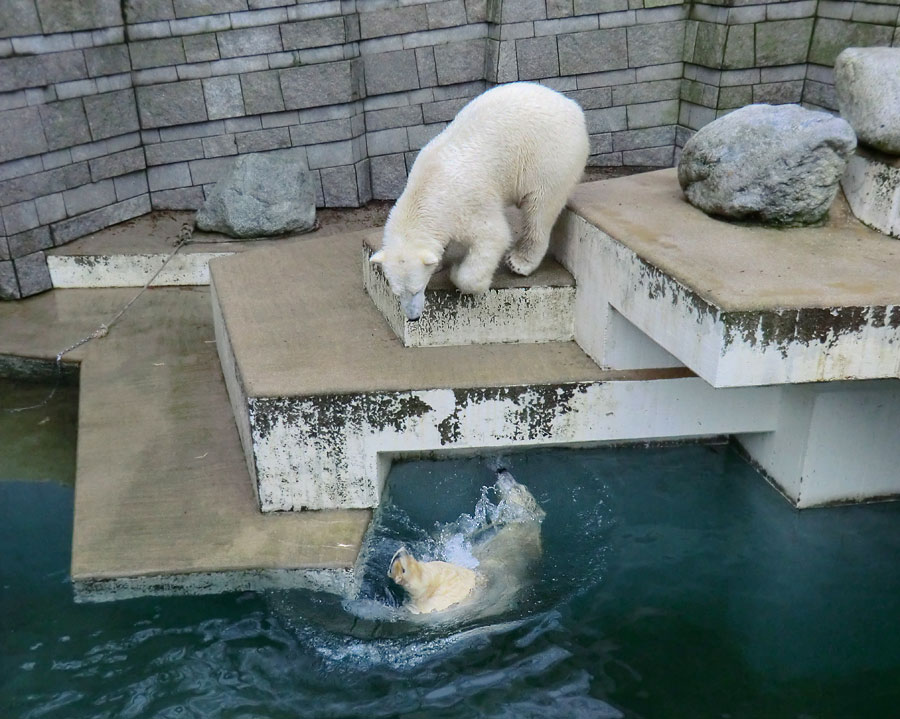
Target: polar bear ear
[(377, 258), (429, 258)]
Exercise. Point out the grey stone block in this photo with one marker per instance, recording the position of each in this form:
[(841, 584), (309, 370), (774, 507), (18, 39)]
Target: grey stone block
[(641, 139), (832, 36), (477, 11), (783, 42), (29, 187), (653, 114), (507, 65), (600, 144), (522, 10), (317, 85), (166, 177), (312, 33), (262, 92), (391, 72), (165, 153), (76, 227), (388, 176), (223, 97), (175, 103), (364, 181), (242, 124), (185, 198), (393, 21), (585, 7), (607, 119), (32, 274), (50, 208), (446, 14), (263, 140), (19, 17), (739, 47), (156, 53), (249, 41), (137, 11), (394, 117), (537, 58), (559, 8), (205, 172), (778, 93), (219, 146), (9, 285), (646, 92), (107, 60), (561, 26), (21, 134), (111, 114), (25, 243), (65, 124), (593, 51), (40, 70), (20, 217), (4, 248), (195, 8), (200, 48), (386, 142), (656, 44), (460, 62), (317, 132), (331, 154), (119, 163), (421, 135), (649, 157), (89, 197), (128, 186), (339, 186), (426, 66), (443, 111), (592, 98), (57, 16), (736, 96)]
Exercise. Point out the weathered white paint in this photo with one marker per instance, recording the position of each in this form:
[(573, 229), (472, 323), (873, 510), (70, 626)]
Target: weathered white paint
[(329, 452), (509, 314), (872, 186), (727, 349), (835, 443), (185, 268)]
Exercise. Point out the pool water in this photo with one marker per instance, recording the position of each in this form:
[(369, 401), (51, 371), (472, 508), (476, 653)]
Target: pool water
[(674, 583)]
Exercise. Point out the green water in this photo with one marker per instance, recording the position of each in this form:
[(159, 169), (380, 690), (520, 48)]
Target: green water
[(674, 583)]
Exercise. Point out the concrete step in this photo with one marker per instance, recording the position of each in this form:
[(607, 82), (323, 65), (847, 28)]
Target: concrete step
[(538, 308), (325, 395)]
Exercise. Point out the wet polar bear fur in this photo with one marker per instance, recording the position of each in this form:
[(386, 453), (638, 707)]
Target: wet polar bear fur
[(506, 552), (519, 144)]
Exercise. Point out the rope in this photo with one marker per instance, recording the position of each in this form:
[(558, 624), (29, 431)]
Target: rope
[(184, 237)]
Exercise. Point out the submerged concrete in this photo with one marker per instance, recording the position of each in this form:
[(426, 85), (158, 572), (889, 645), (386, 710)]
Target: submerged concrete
[(161, 486)]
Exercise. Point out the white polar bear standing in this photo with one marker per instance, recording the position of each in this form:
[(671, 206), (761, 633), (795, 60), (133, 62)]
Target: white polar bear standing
[(517, 144)]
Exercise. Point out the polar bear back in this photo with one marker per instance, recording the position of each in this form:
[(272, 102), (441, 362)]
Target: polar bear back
[(519, 136)]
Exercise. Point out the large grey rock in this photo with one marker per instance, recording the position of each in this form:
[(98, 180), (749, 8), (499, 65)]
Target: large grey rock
[(776, 164), (867, 83), (264, 194)]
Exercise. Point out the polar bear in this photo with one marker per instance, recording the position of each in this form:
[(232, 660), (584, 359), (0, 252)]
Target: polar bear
[(506, 550), (519, 144)]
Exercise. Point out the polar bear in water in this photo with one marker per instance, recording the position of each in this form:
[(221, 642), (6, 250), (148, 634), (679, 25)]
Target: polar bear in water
[(506, 550), (519, 144)]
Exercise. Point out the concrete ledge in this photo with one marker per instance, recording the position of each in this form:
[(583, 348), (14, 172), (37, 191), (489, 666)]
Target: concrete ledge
[(739, 305), (872, 186), (538, 308)]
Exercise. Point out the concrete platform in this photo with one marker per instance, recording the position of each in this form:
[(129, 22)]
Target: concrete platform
[(871, 184), (325, 395), (162, 500), (739, 305), (537, 308)]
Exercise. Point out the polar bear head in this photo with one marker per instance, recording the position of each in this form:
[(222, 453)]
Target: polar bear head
[(404, 568), (407, 270)]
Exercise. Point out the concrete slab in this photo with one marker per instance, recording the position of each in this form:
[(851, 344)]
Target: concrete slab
[(739, 305), (537, 308), (871, 184), (129, 253), (162, 501), (325, 395)]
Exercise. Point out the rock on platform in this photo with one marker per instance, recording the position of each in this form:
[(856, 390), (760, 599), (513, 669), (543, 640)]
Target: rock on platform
[(867, 84), (872, 186)]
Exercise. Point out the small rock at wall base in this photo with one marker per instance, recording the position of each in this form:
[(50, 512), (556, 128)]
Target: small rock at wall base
[(773, 164), (867, 84), (264, 194)]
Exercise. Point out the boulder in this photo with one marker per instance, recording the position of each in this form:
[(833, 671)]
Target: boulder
[(774, 164), (263, 194), (867, 83)]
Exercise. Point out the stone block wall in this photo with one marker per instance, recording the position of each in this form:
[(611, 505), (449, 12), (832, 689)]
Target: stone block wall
[(111, 108)]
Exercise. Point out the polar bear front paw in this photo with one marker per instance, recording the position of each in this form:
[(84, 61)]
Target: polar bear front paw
[(520, 264)]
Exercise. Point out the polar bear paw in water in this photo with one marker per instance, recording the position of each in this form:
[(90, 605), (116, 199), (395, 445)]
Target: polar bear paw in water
[(506, 550)]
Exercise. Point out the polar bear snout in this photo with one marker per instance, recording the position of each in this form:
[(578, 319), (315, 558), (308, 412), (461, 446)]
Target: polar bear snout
[(412, 304)]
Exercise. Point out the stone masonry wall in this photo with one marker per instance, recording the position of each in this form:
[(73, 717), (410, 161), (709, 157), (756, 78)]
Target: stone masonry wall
[(111, 108)]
